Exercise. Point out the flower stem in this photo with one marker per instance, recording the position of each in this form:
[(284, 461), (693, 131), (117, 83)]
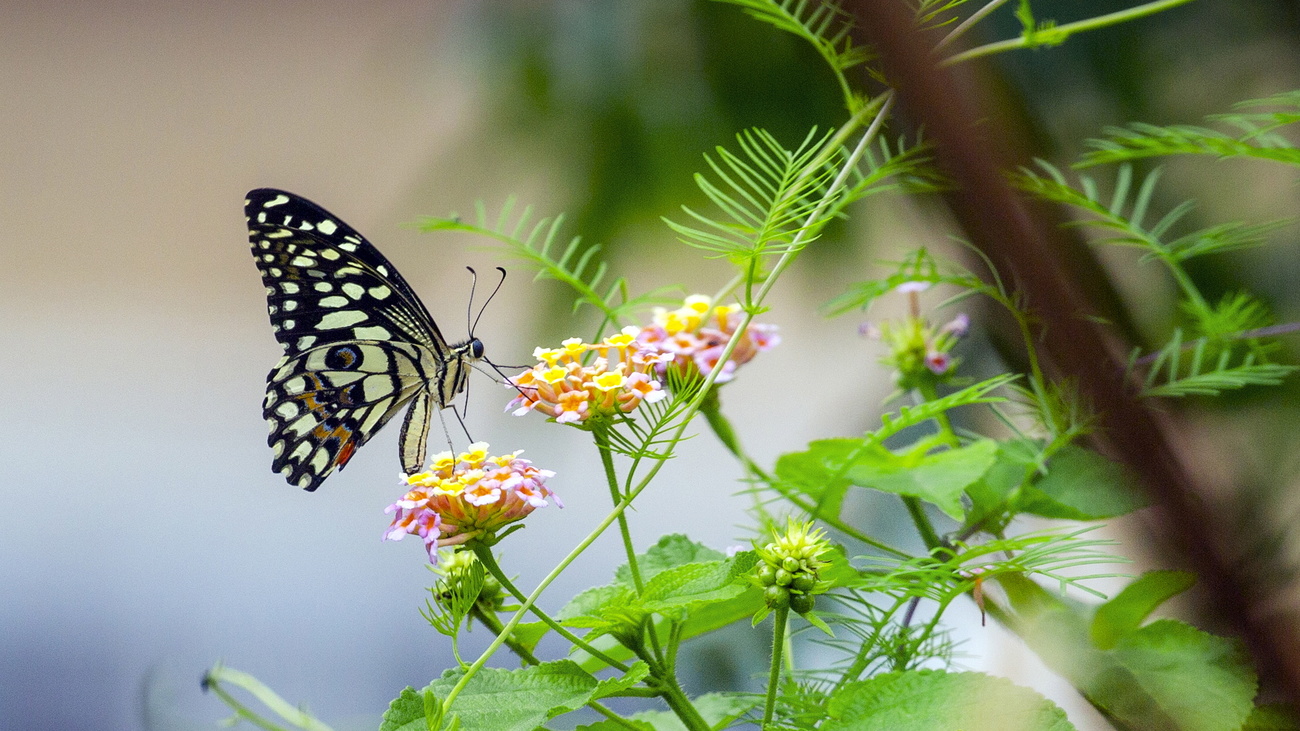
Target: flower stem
[(711, 407), (1061, 32), (601, 433), (489, 562), (494, 625), (672, 693), (774, 675)]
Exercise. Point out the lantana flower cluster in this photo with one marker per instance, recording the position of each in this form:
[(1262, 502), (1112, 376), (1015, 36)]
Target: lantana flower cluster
[(466, 496), (919, 352), (695, 334), (619, 378)]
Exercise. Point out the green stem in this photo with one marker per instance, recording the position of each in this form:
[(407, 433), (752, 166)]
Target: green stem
[(711, 408), (970, 22), (672, 694), (493, 624), (928, 393), (601, 433), (214, 678), (241, 710), (774, 675), (1063, 31), (922, 522), (484, 554)]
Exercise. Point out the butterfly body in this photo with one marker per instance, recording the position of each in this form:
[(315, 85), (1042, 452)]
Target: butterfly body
[(359, 344)]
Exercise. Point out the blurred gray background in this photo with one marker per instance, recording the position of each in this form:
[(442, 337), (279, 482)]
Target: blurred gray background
[(142, 534)]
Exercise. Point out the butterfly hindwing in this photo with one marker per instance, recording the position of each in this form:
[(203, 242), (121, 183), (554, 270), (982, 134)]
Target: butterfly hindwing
[(359, 345)]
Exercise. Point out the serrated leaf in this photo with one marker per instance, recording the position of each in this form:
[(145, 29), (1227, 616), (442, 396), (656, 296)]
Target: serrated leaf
[(672, 550), (1082, 485), (1166, 676), (1197, 681), (1134, 604), (612, 686), (682, 587), (939, 478), (500, 700), (1011, 465), (719, 710), (818, 472), (926, 700)]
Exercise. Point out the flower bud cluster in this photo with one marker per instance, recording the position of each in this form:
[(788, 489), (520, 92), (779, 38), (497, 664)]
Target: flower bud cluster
[(919, 353), (789, 569), (467, 496), (695, 334), (563, 388)]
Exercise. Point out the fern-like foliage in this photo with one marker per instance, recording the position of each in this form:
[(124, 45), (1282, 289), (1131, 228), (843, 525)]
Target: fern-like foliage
[(533, 241), (909, 416), (950, 573), (649, 436), (899, 167), (1124, 215), (918, 266), (823, 25), (1250, 134), (1208, 366), (765, 193)]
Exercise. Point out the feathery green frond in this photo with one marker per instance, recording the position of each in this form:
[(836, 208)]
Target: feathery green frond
[(1124, 216), (1139, 140), (909, 416), (893, 168), (949, 574), (1213, 364), (918, 266), (765, 193), (535, 243), (822, 24)]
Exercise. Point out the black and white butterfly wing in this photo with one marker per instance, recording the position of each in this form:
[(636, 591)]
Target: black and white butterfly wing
[(359, 345)]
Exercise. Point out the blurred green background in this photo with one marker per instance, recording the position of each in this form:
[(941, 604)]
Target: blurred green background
[(142, 536)]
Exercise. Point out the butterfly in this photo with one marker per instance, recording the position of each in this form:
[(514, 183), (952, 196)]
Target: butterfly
[(358, 343)]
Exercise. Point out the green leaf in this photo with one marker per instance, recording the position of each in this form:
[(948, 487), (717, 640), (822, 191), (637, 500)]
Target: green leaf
[(674, 590), (672, 550), (591, 607), (926, 700), (1012, 463), (1082, 485), (505, 700), (1165, 676), (719, 710), (671, 588), (819, 472), (939, 478), (1198, 682), (1130, 607), (529, 634)]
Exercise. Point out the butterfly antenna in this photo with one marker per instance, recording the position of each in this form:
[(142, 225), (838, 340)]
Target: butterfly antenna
[(489, 299), (469, 306)]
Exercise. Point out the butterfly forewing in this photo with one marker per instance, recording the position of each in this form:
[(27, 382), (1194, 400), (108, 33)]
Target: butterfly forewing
[(359, 345)]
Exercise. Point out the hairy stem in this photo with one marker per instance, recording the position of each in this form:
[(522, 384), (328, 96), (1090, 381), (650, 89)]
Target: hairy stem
[(782, 615)]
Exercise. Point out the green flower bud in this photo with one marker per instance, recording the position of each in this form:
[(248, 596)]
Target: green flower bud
[(776, 597), (804, 583), (802, 603), (766, 574), (783, 577)]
